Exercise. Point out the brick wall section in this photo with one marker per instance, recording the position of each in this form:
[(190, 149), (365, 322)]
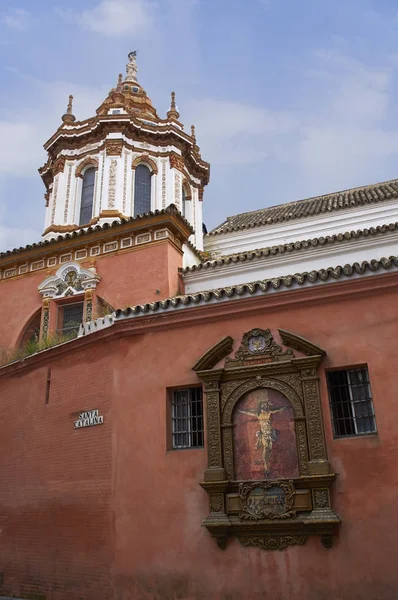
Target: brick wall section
[(55, 485), (19, 300), (134, 277)]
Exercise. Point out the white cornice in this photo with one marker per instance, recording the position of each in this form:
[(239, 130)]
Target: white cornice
[(348, 219), (297, 261)]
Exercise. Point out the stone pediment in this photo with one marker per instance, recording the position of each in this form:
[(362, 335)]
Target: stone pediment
[(69, 280)]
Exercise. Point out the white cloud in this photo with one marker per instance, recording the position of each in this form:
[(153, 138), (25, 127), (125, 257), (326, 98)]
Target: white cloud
[(27, 130), (15, 237), (233, 132), (349, 137), (117, 17), (18, 18), (21, 152)]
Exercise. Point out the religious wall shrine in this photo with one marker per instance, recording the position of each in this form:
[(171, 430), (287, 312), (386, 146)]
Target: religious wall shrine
[(190, 414)]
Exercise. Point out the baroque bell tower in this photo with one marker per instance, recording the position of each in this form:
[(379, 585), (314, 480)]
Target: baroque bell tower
[(124, 162)]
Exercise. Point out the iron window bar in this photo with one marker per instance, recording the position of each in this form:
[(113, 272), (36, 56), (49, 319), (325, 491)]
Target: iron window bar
[(351, 402)]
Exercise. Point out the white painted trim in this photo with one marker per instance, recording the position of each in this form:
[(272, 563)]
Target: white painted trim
[(296, 261), (333, 222)]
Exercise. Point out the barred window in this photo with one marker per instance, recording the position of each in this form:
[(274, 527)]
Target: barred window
[(187, 418), (69, 319), (351, 402), (142, 190)]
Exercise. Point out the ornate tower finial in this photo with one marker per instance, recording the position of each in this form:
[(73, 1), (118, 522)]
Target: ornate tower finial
[(193, 135), (69, 117), (173, 112), (131, 67)]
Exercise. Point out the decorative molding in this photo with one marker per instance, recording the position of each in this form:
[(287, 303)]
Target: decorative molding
[(164, 162), (270, 513), (300, 344), (124, 205), (69, 280), (87, 162), (88, 299), (112, 183), (143, 238), (177, 162), (45, 318), (273, 542), (67, 193), (58, 166), (145, 159), (177, 190), (259, 344), (114, 148), (214, 354), (187, 188), (102, 182), (54, 194), (75, 240), (110, 247)]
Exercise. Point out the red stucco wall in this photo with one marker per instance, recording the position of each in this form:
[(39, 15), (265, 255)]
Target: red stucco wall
[(113, 502)]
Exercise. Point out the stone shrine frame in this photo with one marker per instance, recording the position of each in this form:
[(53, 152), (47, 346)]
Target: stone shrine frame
[(270, 512)]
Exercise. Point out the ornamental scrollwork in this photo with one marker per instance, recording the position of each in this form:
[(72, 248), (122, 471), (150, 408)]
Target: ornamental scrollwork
[(314, 419), (273, 542), (321, 498), (259, 342), (216, 503), (213, 427)]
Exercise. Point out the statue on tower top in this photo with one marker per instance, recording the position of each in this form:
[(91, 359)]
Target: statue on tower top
[(131, 67)]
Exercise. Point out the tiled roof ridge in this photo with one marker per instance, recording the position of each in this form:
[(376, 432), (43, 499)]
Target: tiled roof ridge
[(171, 209), (264, 285), (357, 196), (290, 247)]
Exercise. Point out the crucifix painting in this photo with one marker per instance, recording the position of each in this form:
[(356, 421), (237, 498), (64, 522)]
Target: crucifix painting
[(264, 436)]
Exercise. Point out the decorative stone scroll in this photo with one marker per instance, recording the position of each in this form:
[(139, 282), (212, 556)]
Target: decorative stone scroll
[(69, 280), (268, 475)]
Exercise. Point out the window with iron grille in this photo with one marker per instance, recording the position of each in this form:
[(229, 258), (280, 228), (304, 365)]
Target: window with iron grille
[(70, 318), (142, 190), (351, 402), (187, 418)]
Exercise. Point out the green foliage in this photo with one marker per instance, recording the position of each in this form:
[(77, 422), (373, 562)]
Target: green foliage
[(33, 346)]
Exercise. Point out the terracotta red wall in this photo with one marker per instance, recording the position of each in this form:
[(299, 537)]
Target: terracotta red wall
[(134, 277), (128, 278), (19, 300), (146, 533), (56, 527)]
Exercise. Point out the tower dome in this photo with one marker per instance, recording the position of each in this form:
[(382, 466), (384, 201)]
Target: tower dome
[(123, 162)]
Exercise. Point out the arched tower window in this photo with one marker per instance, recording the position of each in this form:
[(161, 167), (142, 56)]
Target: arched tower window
[(184, 198), (86, 205), (142, 190)]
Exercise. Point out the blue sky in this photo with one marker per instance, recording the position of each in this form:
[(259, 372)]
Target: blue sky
[(290, 98)]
